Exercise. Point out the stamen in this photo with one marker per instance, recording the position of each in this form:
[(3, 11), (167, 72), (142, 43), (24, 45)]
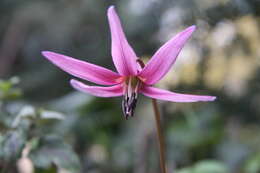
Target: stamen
[(130, 98), (140, 62)]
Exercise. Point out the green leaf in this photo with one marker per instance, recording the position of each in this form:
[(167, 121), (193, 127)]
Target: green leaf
[(11, 145), (185, 170), (206, 166), (5, 86), (27, 112), (44, 114), (7, 90), (210, 166), (13, 94), (253, 164)]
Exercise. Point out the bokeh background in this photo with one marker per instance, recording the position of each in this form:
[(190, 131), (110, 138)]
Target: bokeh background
[(46, 126)]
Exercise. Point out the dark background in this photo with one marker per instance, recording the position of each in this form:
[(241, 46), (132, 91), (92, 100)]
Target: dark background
[(221, 59)]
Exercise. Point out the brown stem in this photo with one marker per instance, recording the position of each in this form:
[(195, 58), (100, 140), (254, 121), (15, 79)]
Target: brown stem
[(159, 136)]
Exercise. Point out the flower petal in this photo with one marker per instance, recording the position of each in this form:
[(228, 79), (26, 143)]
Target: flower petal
[(157, 93), (163, 59), (123, 55), (111, 91), (83, 69)]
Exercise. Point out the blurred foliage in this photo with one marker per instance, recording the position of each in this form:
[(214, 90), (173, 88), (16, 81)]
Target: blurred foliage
[(221, 58), (206, 167), (24, 138), (252, 165), (7, 92)]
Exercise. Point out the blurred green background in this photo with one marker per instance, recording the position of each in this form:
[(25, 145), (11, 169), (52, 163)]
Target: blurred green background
[(46, 126)]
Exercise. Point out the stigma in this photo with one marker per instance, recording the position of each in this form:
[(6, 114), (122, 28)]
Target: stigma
[(131, 88)]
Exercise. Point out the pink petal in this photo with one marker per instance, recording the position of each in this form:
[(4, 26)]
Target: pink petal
[(163, 59), (111, 91), (157, 93), (83, 69), (123, 55)]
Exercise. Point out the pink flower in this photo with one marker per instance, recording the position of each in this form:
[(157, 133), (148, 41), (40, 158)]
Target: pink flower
[(131, 78)]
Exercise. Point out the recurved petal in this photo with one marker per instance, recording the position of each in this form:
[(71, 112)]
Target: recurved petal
[(84, 70), (161, 94), (111, 91), (123, 55), (163, 59)]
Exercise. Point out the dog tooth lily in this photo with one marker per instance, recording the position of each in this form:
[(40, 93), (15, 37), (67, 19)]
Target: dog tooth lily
[(132, 77)]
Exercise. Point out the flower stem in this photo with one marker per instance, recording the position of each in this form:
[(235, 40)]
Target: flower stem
[(159, 136)]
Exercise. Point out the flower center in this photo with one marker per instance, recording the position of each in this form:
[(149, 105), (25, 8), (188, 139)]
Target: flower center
[(131, 87)]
